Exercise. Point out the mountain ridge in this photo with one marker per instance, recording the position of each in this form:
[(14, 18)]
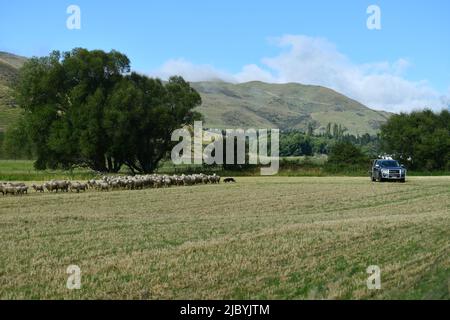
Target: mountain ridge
[(284, 106)]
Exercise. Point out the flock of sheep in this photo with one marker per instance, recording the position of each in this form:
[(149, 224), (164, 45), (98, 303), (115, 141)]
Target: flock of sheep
[(13, 188), (107, 183)]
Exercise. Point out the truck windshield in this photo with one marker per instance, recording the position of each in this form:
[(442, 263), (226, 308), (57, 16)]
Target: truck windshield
[(389, 163)]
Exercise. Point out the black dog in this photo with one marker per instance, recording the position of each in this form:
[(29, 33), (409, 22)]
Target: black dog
[(227, 180)]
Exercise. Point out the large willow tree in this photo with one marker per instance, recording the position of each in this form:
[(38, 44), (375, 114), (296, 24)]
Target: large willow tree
[(85, 108)]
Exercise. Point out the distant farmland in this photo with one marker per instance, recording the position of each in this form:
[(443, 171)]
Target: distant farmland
[(261, 238)]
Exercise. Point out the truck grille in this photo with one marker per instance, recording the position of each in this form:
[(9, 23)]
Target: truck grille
[(394, 173)]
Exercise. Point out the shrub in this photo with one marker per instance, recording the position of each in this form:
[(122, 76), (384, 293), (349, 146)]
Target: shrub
[(345, 156)]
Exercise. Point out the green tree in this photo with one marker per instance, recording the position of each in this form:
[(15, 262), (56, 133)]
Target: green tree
[(17, 143), (84, 108), (345, 153), (141, 115), (328, 130), (306, 147), (420, 139)]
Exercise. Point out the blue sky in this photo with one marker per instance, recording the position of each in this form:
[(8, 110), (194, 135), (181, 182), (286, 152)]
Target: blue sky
[(404, 65)]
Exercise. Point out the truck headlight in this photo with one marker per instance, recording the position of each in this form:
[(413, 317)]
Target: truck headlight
[(384, 171)]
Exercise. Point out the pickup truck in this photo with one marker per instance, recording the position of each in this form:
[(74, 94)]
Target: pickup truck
[(383, 170)]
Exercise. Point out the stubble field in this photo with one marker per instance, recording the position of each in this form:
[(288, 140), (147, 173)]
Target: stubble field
[(261, 238)]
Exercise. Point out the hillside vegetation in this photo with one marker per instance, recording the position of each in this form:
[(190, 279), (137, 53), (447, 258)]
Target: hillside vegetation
[(9, 71), (285, 106)]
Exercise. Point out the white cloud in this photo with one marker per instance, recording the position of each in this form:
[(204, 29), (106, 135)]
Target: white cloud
[(308, 60), (252, 72), (190, 71)]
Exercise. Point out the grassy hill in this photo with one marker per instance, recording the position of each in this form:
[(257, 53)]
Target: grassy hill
[(9, 70), (252, 104), (285, 106)]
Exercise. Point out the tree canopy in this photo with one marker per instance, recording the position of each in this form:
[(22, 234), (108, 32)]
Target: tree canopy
[(345, 153), (420, 139), (85, 108)]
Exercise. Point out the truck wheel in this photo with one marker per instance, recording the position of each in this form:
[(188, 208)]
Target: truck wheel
[(402, 180)]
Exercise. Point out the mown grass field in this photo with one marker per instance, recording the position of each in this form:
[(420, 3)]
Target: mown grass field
[(261, 238)]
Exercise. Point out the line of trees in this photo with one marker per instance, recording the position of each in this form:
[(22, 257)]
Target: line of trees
[(85, 108), (420, 139), (298, 143)]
